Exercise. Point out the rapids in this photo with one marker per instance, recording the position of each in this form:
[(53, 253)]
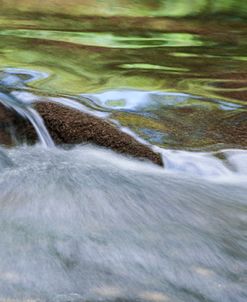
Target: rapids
[(89, 225), (86, 224)]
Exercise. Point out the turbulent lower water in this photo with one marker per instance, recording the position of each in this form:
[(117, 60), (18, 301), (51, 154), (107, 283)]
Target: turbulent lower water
[(87, 224)]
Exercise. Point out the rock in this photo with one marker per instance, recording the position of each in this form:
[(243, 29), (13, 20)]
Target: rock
[(10, 123), (70, 126)]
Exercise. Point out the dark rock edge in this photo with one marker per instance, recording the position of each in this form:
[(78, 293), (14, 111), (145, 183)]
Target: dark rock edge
[(70, 126)]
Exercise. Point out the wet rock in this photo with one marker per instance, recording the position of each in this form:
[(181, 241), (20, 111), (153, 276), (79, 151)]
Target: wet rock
[(5, 124), (69, 126), (10, 123), (190, 127)]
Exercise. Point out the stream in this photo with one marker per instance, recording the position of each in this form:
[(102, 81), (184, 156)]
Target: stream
[(85, 224)]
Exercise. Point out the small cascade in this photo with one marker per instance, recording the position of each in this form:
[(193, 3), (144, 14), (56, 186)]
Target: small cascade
[(87, 224), (30, 114)]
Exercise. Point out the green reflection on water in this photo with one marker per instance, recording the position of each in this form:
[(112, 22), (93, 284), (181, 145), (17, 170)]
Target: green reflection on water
[(152, 67), (205, 57), (110, 40), (154, 8)]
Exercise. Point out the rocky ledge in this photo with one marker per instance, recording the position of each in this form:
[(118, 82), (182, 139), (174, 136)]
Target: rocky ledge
[(70, 126)]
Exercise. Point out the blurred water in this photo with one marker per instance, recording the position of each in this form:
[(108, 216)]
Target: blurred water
[(86, 224), (167, 119), (30, 114)]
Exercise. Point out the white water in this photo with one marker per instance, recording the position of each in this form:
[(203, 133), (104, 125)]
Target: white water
[(26, 111), (86, 224)]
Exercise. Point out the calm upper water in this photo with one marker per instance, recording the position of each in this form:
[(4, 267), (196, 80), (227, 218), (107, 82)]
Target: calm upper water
[(86, 224)]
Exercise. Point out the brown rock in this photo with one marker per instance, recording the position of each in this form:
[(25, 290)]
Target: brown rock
[(10, 123), (69, 126), (5, 124)]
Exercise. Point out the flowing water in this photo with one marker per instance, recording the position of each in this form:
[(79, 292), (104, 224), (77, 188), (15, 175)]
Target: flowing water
[(86, 224)]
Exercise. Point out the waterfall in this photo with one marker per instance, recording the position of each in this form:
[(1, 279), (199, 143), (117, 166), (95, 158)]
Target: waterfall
[(30, 114)]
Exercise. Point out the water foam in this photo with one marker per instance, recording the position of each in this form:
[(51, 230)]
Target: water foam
[(87, 224)]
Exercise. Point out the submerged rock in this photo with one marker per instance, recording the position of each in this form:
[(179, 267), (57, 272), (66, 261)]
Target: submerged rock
[(70, 126)]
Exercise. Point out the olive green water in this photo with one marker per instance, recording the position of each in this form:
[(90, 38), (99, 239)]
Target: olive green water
[(128, 47)]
